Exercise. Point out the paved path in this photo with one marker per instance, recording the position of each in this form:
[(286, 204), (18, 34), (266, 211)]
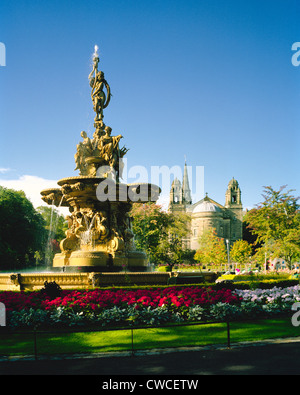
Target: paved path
[(274, 357)]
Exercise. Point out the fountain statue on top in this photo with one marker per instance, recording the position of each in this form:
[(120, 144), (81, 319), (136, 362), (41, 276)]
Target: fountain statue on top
[(104, 149), (99, 235)]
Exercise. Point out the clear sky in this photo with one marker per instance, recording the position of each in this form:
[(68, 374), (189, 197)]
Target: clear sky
[(209, 80)]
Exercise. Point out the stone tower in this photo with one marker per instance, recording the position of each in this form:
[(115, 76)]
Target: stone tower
[(233, 203), (180, 194)]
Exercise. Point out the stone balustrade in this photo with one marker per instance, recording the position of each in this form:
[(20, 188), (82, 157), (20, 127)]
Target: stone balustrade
[(35, 281)]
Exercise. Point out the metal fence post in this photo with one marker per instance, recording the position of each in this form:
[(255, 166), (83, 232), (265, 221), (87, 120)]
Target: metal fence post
[(132, 351), (35, 345), (228, 334)]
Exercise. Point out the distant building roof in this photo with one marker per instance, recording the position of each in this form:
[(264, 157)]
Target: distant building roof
[(206, 206)]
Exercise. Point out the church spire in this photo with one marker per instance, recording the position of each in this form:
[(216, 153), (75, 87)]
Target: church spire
[(186, 192)]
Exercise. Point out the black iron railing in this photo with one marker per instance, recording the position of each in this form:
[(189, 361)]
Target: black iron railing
[(36, 332)]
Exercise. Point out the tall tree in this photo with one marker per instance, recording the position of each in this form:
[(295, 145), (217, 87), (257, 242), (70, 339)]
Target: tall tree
[(250, 237), (22, 231), (159, 233), (211, 248), (172, 248), (149, 226), (240, 251), (276, 222)]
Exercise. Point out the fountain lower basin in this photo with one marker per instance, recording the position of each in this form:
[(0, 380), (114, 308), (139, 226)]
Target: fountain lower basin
[(99, 237)]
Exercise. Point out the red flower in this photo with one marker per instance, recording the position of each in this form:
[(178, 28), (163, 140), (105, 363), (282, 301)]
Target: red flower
[(97, 300)]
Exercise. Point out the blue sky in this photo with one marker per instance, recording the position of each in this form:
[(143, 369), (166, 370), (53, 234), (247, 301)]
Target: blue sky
[(209, 80)]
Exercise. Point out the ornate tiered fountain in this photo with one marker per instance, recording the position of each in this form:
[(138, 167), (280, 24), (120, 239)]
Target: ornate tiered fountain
[(99, 242), (99, 248), (99, 236)]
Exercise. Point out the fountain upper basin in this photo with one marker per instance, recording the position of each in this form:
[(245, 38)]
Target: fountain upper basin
[(100, 189)]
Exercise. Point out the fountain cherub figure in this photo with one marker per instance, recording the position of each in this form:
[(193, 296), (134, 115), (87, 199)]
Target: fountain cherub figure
[(109, 149)]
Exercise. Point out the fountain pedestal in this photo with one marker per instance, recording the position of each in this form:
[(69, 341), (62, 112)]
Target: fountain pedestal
[(96, 261)]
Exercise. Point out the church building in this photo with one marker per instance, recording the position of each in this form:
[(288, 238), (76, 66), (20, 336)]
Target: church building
[(227, 220)]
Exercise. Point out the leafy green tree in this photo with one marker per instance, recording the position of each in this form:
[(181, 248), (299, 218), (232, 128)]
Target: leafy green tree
[(276, 222), (22, 230), (172, 249), (212, 249), (251, 238), (159, 233), (240, 251), (149, 226), (55, 223)]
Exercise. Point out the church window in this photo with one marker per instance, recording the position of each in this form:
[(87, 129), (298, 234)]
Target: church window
[(195, 232)]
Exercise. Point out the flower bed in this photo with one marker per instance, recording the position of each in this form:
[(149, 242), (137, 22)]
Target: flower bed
[(143, 306)]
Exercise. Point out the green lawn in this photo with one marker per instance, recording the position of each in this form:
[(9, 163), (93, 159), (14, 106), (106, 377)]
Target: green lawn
[(194, 335)]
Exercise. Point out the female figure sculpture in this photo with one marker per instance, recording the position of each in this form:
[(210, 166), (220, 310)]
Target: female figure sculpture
[(97, 83)]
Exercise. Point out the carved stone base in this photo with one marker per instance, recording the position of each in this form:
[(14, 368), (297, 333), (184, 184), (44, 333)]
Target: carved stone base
[(99, 261), (81, 258)]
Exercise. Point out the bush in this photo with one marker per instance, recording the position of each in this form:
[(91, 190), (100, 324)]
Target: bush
[(164, 269), (27, 318), (51, 289), (149, 307), (265, 284), (224, 312)]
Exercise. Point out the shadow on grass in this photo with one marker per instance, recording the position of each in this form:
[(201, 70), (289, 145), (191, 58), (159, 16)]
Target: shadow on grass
[(121, 340)]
